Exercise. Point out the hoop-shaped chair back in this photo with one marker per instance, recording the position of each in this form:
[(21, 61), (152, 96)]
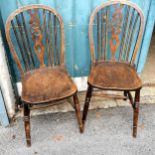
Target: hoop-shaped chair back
[(35, 35), (115, 31)]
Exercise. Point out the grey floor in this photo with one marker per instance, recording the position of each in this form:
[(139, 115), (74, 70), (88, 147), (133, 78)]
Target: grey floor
[(108, 131)]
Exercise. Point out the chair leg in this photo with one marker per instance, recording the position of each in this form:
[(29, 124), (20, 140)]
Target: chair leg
[(27, 124), (86, 105), (77, 110), (136, 112), (125, 94)]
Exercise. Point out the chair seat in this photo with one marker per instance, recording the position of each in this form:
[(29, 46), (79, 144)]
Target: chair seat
[(47, 84), (114, 76)]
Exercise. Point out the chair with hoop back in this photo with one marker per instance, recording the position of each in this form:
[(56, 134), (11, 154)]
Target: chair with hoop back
[(115, 34), (35, 35)]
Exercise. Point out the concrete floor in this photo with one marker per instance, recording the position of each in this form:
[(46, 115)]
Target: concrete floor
[(108, 132)]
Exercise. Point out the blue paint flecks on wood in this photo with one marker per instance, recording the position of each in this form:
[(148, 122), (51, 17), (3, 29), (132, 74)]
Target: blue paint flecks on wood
[(75, 14), (3, 114)]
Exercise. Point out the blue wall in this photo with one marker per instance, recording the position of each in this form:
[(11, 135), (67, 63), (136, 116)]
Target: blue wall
[(75, 14), (150, 21)]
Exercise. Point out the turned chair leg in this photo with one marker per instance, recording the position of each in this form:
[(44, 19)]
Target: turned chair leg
[(77, 110), (27, 124), (136, 112), (86, 105)]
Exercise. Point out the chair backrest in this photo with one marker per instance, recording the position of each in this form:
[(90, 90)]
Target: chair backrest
[(35, 35), (115, 31)]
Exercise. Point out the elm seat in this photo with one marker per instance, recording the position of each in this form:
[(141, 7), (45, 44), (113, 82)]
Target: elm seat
[(114, 75), (47, 84)]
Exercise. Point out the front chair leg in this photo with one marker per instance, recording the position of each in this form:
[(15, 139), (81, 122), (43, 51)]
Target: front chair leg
[(136, 112), (27, 124), (77, 110), (86, 105)]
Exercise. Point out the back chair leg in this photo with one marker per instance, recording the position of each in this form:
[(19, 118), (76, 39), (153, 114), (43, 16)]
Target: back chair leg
[(77, 110), (86, 105), (125, 94), (27, 124), (136, 112)]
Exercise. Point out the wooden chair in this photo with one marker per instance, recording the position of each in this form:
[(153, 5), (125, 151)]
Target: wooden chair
[(115, 34), (35, 35)]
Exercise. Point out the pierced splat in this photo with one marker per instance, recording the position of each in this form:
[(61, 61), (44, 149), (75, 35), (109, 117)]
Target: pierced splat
[(37, 36), (116, 27)]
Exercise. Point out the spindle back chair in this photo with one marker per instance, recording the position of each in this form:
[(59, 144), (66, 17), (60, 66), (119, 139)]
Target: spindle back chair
[(35, 35), (115, 34)]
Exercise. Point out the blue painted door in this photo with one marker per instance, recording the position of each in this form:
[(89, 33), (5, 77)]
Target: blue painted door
[(150, 22), (3, 114), (75, 14)]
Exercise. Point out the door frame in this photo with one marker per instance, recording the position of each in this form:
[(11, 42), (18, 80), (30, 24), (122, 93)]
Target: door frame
[(4, 119)]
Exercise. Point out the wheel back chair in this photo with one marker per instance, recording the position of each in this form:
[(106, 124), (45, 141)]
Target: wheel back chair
[(115, 34), (35, 35)]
